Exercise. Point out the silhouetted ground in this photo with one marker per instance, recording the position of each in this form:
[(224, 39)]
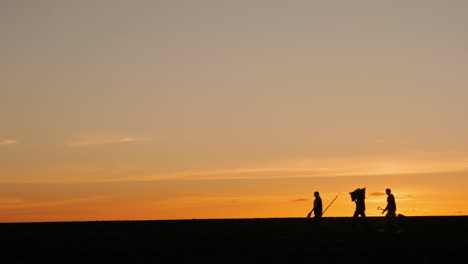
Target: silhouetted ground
[(422, 240)]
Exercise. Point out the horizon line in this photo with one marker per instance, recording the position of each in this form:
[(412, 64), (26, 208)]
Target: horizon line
[(208, 219)]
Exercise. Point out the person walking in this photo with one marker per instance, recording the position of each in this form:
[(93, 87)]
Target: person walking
[(358, 196), (317, 209), (390, 217)]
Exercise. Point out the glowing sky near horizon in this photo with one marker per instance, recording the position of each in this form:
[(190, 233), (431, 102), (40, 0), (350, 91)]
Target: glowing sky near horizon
[(114, 110)]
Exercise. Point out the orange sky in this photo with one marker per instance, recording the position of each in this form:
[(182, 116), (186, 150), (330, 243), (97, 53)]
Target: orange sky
[(115, 110)]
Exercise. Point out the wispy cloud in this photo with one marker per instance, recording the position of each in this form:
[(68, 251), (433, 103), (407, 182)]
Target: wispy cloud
[(8, 141), (106, 141), (405, 197), (300, 200), (228, 174), (14, 203), (375, 200)]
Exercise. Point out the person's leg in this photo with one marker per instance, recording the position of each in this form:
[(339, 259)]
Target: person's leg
[(355, 216), (318, 219), (364, 218), (386, 221), (395, 223)]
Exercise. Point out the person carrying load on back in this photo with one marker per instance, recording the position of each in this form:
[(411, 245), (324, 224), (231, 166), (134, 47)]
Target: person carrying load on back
[(358, 196)]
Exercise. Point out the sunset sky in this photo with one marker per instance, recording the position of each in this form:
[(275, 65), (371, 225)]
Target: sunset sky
[(139, 109)]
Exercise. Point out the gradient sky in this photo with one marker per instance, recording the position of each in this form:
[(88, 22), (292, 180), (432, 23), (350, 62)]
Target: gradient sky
[(119, 110)]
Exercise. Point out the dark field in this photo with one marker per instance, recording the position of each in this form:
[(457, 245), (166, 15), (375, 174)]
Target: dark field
[(422, 240)]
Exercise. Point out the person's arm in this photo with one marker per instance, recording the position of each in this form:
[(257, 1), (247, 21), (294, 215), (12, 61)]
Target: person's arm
[(386, 209), (308, 215)]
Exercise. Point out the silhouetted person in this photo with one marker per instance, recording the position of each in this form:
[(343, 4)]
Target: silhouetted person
[(390, 217), (317, 209), (358, 196)]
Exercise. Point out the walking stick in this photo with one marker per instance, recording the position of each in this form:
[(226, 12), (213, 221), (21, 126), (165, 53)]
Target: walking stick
[(330, 204)]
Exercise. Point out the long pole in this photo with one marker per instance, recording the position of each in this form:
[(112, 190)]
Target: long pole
[(329, 204)]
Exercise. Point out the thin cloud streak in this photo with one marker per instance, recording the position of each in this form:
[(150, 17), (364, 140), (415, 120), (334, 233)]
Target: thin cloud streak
[(282, 171), (375, 200), (198, 176), (13, 203), (8, 142), (377, 194), (107, 141), (300, 200)]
